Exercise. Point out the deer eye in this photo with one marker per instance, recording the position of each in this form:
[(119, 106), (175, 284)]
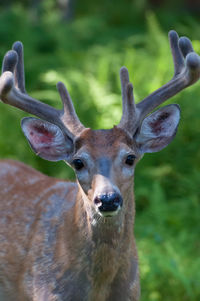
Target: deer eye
[(130, 160), (78, 164)]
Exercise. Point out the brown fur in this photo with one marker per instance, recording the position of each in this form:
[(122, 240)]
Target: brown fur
[(50, 250)]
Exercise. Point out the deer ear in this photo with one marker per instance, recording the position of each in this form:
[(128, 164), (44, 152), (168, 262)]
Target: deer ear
[(46, 139), (158, 129)]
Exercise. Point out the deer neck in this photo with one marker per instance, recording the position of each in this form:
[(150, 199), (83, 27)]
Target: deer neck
[(107, 242), (108, 230)]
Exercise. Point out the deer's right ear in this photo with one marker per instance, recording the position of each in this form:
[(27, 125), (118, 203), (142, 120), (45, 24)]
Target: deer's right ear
[(46, 139)]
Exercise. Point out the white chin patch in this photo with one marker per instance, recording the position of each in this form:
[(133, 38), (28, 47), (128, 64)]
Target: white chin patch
[(110, 213)]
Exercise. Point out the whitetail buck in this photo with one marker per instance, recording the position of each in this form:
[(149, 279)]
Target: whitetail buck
[(74, 241)]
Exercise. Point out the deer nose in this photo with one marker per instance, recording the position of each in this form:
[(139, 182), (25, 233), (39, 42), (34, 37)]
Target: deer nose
[(108, 202)]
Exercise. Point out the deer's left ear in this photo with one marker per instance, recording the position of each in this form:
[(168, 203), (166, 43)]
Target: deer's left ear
[(158, 129)]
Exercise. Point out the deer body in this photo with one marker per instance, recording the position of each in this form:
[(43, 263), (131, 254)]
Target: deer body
[(62, 241), (58, 250)]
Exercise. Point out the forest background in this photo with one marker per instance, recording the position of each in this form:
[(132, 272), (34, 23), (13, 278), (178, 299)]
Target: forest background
[(84, 44)]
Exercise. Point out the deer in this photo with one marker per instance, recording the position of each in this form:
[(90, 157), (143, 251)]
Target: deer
[(72, 241)]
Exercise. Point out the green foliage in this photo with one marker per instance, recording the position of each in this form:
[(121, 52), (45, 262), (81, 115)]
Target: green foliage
[(86, 55), (167, 243)]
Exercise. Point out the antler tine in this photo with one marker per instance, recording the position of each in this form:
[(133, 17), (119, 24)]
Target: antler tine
[(9, 61), (176, 53), (19, 70), (185, 74), (12, 96), (12, 92), (69, 117), (185, 46), (128, 119)]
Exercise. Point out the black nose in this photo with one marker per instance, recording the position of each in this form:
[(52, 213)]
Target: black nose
[(108, 202)]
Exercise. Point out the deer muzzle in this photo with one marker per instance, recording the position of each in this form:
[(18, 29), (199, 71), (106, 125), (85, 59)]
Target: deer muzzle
[(108, 204)]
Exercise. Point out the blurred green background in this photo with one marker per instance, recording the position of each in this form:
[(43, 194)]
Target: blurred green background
[(84, 44)]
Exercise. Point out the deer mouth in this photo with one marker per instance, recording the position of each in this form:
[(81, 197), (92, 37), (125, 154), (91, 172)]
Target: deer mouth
[(110, 213)]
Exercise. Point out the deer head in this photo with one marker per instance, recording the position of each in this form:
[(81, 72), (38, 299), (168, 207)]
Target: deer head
[(103, 160)]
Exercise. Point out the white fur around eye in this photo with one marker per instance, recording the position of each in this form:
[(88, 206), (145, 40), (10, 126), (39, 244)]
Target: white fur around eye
[(126, 171)]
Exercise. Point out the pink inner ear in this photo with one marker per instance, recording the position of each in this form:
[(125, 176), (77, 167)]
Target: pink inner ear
[(156, 125), (39, 134)]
